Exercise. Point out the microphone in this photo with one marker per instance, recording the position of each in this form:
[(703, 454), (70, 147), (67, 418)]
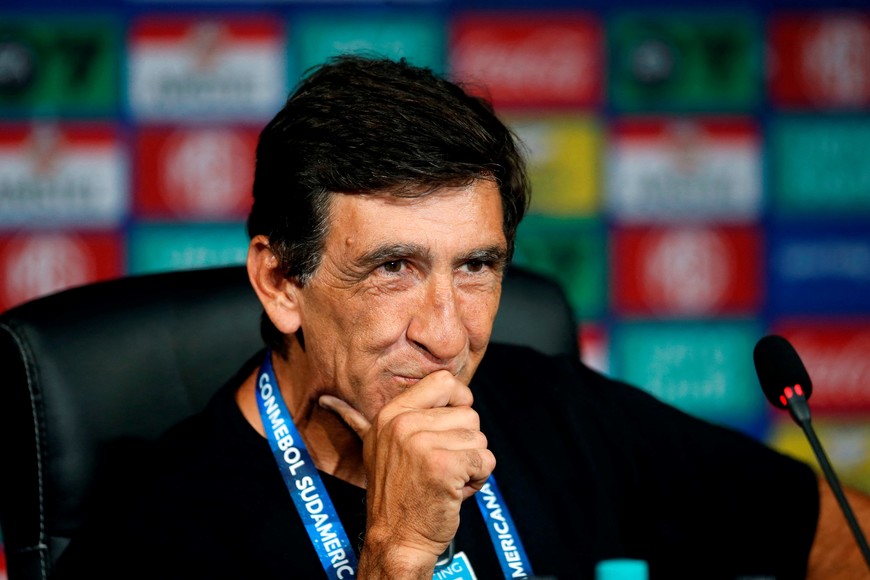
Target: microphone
[(783, 377), (787, 385)]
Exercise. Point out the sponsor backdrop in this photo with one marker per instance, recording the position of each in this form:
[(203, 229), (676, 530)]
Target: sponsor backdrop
[(701, 172)]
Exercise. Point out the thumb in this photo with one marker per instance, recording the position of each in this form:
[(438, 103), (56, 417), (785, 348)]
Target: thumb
[(353, 418)]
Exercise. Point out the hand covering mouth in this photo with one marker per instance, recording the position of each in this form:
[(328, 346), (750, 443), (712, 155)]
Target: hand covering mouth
[(422, 374)]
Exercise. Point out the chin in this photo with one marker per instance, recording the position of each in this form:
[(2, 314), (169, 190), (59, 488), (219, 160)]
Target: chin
[(375, 398)]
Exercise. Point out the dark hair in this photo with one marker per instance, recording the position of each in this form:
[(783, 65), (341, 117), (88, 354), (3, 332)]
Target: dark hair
[(367, 125)]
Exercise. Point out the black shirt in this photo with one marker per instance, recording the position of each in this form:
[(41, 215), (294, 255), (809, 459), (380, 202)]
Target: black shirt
[(589, 468)]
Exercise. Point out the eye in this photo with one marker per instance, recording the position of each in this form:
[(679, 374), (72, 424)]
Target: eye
[(474, 266), (393, 266)]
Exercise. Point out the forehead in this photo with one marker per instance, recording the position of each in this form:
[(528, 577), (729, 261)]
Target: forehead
[(472, 214)]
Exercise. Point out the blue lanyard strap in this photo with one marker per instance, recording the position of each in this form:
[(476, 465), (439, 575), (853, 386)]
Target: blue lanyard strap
[(302, 480), (502, 531), (318, 513)]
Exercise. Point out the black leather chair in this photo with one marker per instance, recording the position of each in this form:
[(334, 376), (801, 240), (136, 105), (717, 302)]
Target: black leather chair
[(90, 373)]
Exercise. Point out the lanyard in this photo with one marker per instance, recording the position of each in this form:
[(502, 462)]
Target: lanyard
[(302, 480), (500, 525), (315, 507)]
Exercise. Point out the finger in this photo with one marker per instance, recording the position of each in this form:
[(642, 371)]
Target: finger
[(464, 471), (480, 475), (353, 418), (453, 440), (410, 421), (439, 389)]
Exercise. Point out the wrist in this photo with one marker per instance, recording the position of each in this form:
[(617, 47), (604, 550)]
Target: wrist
[(383, 556)]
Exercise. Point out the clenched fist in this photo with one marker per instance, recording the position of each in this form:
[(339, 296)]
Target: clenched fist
[(424, 454)]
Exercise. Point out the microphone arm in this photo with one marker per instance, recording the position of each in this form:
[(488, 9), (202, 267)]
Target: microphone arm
[(800, 412)]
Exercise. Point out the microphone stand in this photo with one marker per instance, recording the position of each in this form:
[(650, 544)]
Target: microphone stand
[(800, 412)]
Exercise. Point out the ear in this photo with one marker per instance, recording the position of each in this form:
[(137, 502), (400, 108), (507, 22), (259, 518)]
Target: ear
[(277, 294)]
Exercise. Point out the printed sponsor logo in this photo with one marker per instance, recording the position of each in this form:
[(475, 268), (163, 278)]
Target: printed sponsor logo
[(837, 358), (196, 173), (61, 174), (704, 368), (821, 60), (38, 264), (572, 252), (835, 61), (686, 271), (564, 154), (670, 170), (819, 165), (163, 247), (195, 68), (530, 61), (846, 441), (682, 272), (820, 270), (320, 35), (808, 260), (707, 60), (52, 65)]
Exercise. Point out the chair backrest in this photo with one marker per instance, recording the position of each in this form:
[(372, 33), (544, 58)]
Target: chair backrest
[(92, 372)]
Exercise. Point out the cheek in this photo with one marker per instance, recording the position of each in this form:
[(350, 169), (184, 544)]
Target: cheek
[(382, 320), (479, 312)]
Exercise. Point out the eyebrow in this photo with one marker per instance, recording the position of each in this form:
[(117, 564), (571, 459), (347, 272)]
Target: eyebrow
[(495, 255), (388, 252)]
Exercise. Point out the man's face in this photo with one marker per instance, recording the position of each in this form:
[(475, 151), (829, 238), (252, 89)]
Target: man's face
[(405, 287)]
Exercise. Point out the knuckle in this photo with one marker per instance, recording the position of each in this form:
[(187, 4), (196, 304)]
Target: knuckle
[(464, 393), (487, 459), (475, 459), (471, 418), (473, 436), (404, 424), (382, 421), (418, 443)]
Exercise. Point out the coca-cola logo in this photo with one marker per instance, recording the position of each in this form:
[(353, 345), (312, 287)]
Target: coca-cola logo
[(555, 61), (207, 173), (41, 264), (835, 61), (686, 270), (839, 369)]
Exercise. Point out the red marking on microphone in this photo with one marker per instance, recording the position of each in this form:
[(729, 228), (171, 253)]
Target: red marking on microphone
[(789, 393), (782, 398), (798, 390)]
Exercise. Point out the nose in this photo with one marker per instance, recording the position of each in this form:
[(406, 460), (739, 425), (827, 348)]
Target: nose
[(437, 326)]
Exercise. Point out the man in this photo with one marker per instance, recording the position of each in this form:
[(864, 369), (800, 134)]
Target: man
[(386, 202)]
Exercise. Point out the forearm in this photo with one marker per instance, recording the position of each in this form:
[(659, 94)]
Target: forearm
[(835, 554)]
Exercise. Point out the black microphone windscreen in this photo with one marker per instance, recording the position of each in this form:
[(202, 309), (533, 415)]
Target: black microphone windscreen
[(778, 366)]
